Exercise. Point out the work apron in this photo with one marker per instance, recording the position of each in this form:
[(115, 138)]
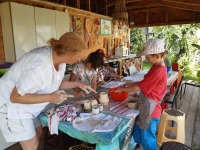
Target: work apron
[(146, 108)]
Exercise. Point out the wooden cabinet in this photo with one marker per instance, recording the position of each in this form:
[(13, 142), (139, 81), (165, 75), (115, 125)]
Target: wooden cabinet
[(26, 27)]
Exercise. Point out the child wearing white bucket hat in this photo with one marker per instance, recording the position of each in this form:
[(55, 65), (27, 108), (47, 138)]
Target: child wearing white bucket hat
[(152, 89)]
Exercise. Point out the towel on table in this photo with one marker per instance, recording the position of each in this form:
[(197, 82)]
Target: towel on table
[(96, 123), (123, 110), (62, 113)]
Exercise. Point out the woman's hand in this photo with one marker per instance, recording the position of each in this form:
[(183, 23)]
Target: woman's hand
[(81, 94), (86, 88), (59, 96)]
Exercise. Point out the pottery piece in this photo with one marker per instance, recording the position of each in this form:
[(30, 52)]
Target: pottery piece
[(100, 107), (93, 102), (95, 109), (103, 99), (133, 103), (87, 105)]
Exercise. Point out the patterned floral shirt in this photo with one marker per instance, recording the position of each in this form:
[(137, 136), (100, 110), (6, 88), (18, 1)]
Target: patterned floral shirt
[(83, 74)]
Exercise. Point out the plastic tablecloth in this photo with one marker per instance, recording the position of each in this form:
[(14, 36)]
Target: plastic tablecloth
[(104, 140)]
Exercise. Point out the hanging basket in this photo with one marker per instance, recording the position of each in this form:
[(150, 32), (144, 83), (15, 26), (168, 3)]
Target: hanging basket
[(120, 13), (121, 16)]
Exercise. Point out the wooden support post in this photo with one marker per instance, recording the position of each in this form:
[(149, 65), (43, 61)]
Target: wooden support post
[(105, 8), (78, 5), (120, 67), (88, 5), (65, 2)]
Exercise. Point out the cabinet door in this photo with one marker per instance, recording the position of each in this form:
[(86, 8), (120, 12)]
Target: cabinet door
[(62, 23), (23, 23), (45, 25)]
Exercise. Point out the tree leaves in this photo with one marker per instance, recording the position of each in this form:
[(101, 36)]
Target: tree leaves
[(196, 45), (137, 40)]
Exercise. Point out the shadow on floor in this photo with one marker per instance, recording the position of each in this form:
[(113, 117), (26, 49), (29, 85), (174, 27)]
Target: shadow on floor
[(68, 142)]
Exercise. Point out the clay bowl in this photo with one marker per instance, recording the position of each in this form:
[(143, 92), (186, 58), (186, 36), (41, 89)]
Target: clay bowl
[(118, 96), (133, 103)]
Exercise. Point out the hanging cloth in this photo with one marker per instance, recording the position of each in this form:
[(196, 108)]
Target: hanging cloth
[(77, 25), (96, 31), (87, 33)]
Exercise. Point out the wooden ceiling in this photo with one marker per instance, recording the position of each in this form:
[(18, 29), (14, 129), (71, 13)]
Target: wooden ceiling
[(145, 13)]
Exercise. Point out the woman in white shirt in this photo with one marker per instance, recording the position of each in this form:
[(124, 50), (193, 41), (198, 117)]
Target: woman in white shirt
[(31, 83)]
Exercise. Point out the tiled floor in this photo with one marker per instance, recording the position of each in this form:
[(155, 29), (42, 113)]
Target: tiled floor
[(189, 104)]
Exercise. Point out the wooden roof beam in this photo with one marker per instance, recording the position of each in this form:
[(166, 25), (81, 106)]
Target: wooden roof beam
[(110, 3), (166, 15), (166, 4), (146, 10), (162, 24), (181, 6), (188, 2), (142, 5), (147, 17)]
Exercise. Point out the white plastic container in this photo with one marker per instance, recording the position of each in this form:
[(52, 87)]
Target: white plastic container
[(121, 51)]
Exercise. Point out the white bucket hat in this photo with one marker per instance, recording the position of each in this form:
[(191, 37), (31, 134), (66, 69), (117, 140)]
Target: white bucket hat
[(153, 46)]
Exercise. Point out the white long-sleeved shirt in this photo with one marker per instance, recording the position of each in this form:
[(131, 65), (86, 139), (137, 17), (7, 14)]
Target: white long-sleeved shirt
[(32, 73)]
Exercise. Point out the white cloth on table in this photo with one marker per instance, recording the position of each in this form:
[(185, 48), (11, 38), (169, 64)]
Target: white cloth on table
[(62, 113), (96, 123), (113, 84), (137, 76), (53, 122)]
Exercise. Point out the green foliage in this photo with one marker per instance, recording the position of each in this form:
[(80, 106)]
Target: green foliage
[(196, 45), (197, 62), (146, 65), (179, 40), (137, 40)]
